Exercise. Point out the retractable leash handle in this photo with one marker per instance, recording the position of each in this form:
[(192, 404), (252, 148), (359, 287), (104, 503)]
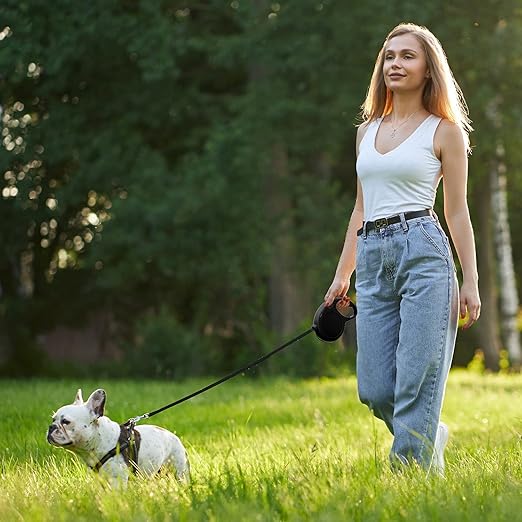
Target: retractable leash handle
[(328, 325), (329, 321)]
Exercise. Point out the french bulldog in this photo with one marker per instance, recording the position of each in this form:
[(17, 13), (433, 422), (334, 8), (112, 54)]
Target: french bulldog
[(82, 428)]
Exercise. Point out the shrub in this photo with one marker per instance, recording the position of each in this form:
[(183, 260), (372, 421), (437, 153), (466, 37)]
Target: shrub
[(166, 348)]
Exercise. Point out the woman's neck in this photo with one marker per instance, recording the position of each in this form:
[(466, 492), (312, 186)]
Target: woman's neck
[(405, 106)]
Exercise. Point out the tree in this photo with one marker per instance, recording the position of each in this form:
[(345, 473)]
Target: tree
[(493, 32), (196, 161)]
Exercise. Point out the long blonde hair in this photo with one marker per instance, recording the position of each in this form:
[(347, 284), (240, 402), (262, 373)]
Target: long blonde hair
[(442, 95)]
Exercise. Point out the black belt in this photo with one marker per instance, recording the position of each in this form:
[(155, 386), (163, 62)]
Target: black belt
[(384, 222)]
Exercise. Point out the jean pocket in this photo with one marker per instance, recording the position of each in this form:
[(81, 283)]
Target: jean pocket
[(359, 256), (436, 238)]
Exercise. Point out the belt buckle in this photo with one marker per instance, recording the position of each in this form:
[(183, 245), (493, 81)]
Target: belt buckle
[(380, 223)]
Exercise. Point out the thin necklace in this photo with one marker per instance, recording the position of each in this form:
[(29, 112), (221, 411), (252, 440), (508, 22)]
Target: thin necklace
[(395, 129)]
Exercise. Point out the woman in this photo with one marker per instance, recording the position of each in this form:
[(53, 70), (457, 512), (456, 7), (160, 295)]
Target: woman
[(415, 133)]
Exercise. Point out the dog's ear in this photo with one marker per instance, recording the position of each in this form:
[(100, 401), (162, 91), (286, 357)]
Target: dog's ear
[(96, 402), (78, 400)]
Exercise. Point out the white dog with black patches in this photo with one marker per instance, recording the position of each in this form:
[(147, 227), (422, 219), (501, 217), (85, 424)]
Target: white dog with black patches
[(115, 451)]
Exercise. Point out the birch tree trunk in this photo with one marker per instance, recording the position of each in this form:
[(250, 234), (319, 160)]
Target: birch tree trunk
[(509, 303)]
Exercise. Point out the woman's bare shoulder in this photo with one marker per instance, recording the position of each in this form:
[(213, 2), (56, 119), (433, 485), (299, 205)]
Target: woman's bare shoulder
[(362, 128), (448, 128), (361, 131), (449, 135)]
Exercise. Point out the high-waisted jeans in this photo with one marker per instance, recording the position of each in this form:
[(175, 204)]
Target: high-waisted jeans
[(407, 300)]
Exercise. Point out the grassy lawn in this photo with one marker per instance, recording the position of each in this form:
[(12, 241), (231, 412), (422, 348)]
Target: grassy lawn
[(273, 449)]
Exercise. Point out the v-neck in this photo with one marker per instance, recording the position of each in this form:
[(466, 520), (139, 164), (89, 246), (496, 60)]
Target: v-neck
[(403, 141)]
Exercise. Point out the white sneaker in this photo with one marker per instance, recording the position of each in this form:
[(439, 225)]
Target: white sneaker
[(441, 439)]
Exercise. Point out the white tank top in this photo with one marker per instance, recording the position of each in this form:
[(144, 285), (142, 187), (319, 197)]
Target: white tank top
[(404, 179)]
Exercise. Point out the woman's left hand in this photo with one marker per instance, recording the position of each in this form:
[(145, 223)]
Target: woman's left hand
[(469, 303)]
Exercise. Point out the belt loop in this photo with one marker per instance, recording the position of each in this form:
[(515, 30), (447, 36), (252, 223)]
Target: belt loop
[(365, 230), (404, 223)]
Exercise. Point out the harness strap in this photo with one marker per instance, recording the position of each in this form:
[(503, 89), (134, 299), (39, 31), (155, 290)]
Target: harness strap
[(128, 446)]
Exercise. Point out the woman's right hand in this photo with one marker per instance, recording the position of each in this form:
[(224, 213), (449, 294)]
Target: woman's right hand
[(338, 288)]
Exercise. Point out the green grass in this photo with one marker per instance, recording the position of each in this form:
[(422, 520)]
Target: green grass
[(272, 449)]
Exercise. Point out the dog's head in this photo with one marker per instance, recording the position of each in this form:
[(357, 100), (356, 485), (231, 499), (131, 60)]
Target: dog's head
[(75, 425)]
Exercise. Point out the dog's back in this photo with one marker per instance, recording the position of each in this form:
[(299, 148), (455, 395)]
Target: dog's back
[(159, 448)]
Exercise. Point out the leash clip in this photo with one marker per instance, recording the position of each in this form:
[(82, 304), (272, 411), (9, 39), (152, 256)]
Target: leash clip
[(134, 420)]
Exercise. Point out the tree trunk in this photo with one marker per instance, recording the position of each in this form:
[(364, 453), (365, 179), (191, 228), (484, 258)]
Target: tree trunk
[(26, 285), (286, 303), (488, 325), (286, 307), (5, 345), (509, 303)]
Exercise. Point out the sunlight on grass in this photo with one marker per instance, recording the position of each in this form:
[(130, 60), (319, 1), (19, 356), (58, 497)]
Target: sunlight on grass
[(272, 449)]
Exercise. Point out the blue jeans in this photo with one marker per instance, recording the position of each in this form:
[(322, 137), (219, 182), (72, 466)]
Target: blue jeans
[(407, 300)]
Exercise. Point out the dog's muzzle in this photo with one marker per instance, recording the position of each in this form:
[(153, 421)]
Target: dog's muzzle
[(50, 438), (50, 431)]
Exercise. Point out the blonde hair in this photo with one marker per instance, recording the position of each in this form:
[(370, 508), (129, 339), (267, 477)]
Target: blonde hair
[(442, 95)]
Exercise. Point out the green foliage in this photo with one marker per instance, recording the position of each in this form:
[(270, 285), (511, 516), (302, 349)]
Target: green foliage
[(164, 348), (138, 155), (310, 357), (477, 365)]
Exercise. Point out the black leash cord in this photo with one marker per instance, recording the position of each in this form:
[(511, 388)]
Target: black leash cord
[(222, 380)]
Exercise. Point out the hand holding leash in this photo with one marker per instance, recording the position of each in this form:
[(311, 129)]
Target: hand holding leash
[(338, 289)]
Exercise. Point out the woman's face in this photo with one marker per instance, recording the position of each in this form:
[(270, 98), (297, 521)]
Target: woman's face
[(404, 66)]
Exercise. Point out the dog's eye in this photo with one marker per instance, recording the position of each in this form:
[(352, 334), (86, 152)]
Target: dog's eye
[(65, 421)]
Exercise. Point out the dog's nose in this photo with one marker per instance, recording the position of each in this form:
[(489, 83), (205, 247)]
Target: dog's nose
[(52, 428)]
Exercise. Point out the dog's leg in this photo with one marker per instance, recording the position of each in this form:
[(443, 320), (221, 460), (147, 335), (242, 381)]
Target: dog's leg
[(178, 459), (116, 473), (183, 470)]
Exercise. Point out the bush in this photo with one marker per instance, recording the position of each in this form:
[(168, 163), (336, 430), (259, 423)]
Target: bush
[(310, 357), (166, 348)]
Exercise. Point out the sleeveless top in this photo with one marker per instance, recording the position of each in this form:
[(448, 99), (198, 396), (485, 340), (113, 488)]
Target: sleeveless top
[(404, 179)]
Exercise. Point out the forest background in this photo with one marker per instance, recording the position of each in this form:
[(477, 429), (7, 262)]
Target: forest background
[(177, 177)]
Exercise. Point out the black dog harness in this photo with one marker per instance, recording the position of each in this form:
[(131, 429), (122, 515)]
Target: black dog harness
[(128, 446)]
